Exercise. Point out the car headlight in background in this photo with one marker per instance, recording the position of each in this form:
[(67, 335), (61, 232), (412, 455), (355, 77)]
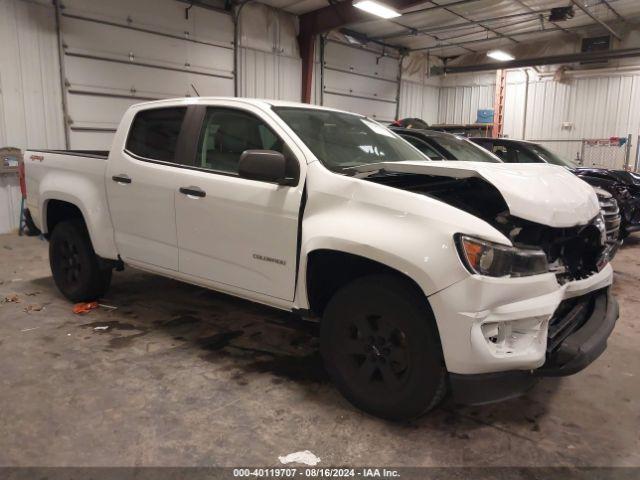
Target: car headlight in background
[(495, 260)]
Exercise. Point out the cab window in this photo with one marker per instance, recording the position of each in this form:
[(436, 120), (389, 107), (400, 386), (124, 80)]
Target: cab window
[(154, 133), (226, 133)]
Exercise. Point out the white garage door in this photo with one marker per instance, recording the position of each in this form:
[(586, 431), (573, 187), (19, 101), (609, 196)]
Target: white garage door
[(121, 52), (360, 81)]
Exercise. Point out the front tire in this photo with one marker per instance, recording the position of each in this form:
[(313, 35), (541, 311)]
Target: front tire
[(380, 346), (78, 272)]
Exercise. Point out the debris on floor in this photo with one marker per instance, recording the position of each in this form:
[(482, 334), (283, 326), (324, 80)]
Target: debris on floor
[(12, 298), (80, 308), (101, 328), (305, 457), (33, 307), (108, 307), (28, 329)]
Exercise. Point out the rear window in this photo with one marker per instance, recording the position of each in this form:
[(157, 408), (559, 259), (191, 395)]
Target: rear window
[(154, 133)]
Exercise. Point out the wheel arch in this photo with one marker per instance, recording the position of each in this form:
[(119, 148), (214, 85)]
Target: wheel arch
[(328, 270), (56, 205)]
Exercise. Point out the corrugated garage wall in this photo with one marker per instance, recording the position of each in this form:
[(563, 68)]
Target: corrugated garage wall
[(419, 93), (270, 65), (445, 100), (30, 98), (593, 105), (461, 96)]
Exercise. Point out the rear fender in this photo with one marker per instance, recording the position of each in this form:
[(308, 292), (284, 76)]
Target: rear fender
[(90, 199)]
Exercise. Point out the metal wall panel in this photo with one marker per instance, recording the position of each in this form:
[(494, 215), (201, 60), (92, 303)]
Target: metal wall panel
[(30, 93), (119, 53), (597, 106), (361, 81), (460, 104), (268, 75), (419, 101), (30, 97)]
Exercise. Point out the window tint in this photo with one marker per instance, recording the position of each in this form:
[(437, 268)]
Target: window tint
[(514, 154), (550, 157), (154, 133), (501, 152), (458, 148), (428, 150), (227, 133)]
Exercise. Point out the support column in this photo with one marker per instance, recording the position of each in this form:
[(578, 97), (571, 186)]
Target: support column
[(307, 43)]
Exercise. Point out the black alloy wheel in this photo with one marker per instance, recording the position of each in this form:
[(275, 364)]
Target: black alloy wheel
[(380, 345)]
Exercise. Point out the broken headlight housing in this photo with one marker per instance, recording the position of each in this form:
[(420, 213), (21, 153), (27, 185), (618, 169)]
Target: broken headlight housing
[(494, 260)]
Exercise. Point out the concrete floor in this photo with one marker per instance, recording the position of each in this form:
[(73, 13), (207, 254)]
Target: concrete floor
[(185, 376)]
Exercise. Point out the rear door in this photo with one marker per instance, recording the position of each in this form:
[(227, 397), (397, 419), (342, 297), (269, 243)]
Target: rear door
[(233, 231), (141, 183)]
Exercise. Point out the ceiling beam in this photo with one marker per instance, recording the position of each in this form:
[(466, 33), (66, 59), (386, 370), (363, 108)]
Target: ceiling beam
[(483, 40), (613, 10), (344, 13), (439, 7), (488, 29), (596, 19), (462, 25), (550, 60)]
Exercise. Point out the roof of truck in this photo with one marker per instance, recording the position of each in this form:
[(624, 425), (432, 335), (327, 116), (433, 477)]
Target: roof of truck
[(248, 101)]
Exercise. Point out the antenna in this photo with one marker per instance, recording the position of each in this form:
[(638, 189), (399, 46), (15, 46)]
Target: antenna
[(194, 89)]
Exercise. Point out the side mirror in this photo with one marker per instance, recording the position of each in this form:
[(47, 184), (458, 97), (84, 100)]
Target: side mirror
[(265, 165)]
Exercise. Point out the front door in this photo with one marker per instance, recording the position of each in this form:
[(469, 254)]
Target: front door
[(233, 231)]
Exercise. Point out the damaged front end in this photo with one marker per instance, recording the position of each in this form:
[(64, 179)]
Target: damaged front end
[(573, 253)]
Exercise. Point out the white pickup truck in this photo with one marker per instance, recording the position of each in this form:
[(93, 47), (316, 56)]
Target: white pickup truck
[(426, 276)]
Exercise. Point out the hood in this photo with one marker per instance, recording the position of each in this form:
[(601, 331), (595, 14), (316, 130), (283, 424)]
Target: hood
[(538, 192)]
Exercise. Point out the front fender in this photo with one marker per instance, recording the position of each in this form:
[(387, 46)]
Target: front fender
[(430, 260)]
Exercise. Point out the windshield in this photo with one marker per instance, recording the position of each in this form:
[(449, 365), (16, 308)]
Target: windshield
[(550, 157), (462, 149), (343, 140)]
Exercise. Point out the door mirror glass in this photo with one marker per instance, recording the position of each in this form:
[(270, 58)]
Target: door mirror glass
[(264, 165)]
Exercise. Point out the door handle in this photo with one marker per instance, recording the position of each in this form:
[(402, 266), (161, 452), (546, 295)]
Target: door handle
[(122, 178), (193, 192)]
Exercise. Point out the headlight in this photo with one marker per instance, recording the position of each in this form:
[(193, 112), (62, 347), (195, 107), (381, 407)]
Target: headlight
[(495, 260)]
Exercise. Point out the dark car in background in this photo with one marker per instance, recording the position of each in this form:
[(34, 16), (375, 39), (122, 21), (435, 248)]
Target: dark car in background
[(445, 146), (622, 185)]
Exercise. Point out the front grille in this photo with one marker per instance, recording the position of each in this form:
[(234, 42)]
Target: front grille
[(612, 218), (570, 315)]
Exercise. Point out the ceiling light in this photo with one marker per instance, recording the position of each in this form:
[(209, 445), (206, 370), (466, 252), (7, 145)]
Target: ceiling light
[(376, 8), (500, 55)]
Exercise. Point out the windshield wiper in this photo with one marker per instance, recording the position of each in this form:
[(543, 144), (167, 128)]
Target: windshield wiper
[(379, 172)]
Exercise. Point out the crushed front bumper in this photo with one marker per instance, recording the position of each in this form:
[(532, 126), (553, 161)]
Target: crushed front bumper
[(578, 333)]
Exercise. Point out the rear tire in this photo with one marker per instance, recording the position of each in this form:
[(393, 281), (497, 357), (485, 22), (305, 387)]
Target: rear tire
[(380, 345), (78, 272)]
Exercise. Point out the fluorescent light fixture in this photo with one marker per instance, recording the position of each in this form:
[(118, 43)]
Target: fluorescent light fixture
[(376, 8), (500, 55)]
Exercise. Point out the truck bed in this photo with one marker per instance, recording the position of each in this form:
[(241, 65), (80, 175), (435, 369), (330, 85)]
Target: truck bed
[(67, 175)]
